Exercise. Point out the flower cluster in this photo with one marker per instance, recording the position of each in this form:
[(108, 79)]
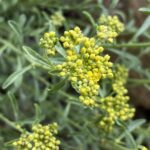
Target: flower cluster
[(113, 22), (109, 28), (72, 38), (84, 65), (57, 18), (105, 33), (116, 106), (48, 42), (41, 138)]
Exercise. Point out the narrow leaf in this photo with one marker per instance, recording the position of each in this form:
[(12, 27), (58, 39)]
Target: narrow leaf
[(142, 29), (57, 86), (37, 113), (35, 58), (128, 136), (130, 59), (14, 104), (60, 50), (14, 76), (14, 26), (67, 110), (145, 10), (89, 16), (132, 126)]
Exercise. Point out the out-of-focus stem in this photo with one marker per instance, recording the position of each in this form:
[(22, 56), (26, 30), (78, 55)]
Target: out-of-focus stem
[(127, 45), (10, 123)]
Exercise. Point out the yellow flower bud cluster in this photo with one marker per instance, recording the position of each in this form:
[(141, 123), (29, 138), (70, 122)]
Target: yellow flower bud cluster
[(116, 107), (71, 38), (57, 18), (113, 22), (41, 138), (48, 42), (84, 65), (109, 28), (105, 33)]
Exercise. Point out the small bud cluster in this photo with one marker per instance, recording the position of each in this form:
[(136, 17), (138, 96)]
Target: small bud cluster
[(84, 65), (105, 33), (109, 28), (48, 42), (41, 138), (57, 18), (71, 38), (113, 22), (116, 107)]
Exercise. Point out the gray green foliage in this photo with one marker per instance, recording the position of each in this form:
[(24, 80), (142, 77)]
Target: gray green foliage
[(30, 90)]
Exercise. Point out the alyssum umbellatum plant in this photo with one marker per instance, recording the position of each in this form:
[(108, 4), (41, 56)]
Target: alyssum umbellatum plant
[(41, 138), (85, 65)]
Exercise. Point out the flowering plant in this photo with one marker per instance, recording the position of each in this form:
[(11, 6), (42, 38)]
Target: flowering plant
[(73, 92)]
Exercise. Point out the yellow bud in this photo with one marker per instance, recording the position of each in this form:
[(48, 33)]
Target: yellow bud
[(74, 79), (83, 91), (79, 62), (92, 56), (110, 40), (66, 44), (83, 50), (69, 52), (62, 38), (89, 73), (62, 73)]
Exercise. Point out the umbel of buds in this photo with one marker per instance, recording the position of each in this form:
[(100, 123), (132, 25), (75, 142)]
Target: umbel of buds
[(41, 138), (116, 107), (109, 28)]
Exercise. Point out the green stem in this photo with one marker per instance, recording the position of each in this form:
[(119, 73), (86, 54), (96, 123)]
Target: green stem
[(127, 45), (10, 45), (10, 123), (74, 99), (70, 97), (139, 81)]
